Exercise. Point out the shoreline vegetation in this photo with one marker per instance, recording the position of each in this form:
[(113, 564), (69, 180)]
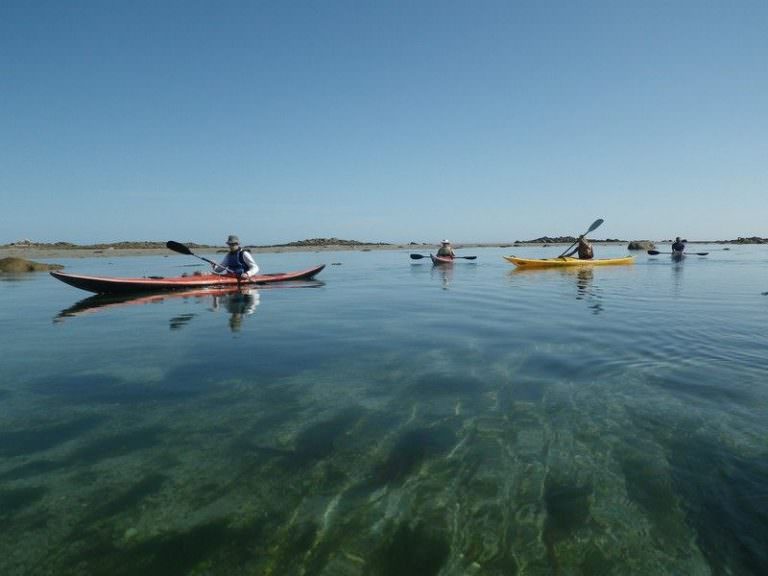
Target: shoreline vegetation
[(27, 248)]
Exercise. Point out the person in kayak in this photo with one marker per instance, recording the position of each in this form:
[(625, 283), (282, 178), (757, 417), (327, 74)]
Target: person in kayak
[(445, 250), (678, 246), (584, 249), (238, 260)]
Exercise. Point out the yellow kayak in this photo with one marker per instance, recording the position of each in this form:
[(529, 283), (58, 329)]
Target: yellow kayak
[(558, 262)]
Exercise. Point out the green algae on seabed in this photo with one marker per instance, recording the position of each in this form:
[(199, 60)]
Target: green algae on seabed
[(289, 476), (12, 500), (13, 265)]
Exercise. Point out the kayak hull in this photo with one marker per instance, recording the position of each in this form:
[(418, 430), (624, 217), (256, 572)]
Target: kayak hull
[(567, 262), (440, 260), (111, 285)]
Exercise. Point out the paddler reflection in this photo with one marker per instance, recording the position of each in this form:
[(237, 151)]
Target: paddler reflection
[(586, 291), (444, 273), (239, 304)]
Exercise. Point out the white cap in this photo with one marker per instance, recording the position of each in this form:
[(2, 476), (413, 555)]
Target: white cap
[(445, 242)]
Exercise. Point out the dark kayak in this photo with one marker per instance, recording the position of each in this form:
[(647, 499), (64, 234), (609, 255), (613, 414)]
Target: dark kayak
[(110, 285), (677, 255)]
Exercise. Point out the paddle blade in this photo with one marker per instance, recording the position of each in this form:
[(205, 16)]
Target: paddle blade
[(595, 225), (467, 257), (178, 247), (417, 256), (654, 252), (701, 253)]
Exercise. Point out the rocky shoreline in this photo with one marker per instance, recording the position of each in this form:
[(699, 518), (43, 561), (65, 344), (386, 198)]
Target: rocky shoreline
[(31, 249)]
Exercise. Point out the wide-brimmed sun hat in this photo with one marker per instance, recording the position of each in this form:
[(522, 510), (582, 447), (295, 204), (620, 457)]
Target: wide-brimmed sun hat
[(232, 240)]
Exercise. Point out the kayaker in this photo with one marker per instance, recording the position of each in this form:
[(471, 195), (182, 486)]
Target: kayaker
[(678, 246), (445, 250), (584, 249), (237, 260)]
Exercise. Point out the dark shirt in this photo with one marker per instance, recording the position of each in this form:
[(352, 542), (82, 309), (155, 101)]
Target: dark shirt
[(678, 246), (584, 249)]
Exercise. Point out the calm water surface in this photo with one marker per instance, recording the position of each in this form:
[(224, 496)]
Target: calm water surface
[(391, 419)]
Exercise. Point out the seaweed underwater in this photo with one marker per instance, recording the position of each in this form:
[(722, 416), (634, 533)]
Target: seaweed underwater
[(376, 466)]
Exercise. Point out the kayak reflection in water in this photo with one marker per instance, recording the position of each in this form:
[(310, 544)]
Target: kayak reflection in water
[(584, 249), (239, 305)]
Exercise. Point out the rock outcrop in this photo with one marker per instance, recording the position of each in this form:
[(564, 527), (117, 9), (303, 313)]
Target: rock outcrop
[(16, 265), (750, 240), (641, 245)]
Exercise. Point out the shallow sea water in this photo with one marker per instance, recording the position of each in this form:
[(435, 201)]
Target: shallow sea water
[(391, 418)]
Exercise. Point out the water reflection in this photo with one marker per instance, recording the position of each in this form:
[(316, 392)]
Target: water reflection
[(585, 290), (13, 277), (677, 273), (444, 272), (238, 302)]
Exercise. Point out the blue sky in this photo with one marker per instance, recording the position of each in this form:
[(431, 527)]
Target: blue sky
[(482, 121)]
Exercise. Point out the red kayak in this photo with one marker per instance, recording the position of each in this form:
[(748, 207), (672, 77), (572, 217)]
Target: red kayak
[(441, 259), (108, 285)]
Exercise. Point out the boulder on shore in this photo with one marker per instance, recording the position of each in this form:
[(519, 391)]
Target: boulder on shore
[(641, 245), (14, 265)]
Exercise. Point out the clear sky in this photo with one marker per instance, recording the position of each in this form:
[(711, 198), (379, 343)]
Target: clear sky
[(392, 121)]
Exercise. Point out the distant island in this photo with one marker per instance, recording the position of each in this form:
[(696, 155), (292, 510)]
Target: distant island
[(311, 244), (570, 239), (152, 245)]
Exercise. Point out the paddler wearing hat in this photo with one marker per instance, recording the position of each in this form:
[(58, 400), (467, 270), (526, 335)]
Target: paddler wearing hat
[(445, 250), (237, 260)]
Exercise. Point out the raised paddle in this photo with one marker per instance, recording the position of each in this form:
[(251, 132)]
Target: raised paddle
[(656, 253), (420, 256), (182, 249), (595, 225)]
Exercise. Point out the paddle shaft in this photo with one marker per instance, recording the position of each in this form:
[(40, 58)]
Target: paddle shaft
[(656, 253), (182, 249), (420, 256)]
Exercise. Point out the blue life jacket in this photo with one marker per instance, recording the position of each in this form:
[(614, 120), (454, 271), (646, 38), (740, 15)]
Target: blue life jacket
[(239, 265)]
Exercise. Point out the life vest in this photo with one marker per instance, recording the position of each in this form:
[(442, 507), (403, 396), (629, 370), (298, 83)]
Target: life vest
[(239, 264)]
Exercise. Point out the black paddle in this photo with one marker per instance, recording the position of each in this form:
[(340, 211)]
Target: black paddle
[(182, 249), (595, 225), (420, 256), (656, 253)]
